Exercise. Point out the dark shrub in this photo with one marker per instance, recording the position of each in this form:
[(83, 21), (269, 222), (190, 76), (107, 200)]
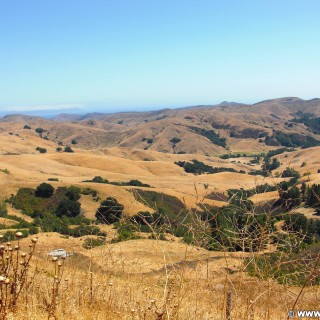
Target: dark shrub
[(39, 130), (175, 140), (68, 149), (89, 191), (290, 173), (68, 208), (41, 150), (44, 190), (110, 210), (99, 179), (73, 193)]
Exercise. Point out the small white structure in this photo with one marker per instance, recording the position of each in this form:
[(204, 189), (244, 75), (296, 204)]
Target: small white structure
[(59, 253)]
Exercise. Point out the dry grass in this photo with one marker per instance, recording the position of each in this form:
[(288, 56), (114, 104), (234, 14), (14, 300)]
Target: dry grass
[(184, 282)]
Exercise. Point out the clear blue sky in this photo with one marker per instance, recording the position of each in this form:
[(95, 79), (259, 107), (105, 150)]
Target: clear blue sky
[(136, 54)]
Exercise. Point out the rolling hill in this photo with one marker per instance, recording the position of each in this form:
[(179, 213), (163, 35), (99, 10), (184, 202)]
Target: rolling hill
[(206, 130)]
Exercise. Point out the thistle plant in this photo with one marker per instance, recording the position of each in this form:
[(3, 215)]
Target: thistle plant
[(14, 267)]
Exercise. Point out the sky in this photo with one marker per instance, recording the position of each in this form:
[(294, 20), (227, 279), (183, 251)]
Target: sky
[(122, 55)]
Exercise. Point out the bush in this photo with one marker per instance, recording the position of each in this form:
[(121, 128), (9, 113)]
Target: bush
[(53, 179), (68, 149), (110, 210), (27, 127), (73, 141), (69, 208), (99, 179), (44, 190), (126, 232), (175, 140), (58, 149), (41, 150), (89, 191), (145, 218), (290, 173), (33, 230), (73, 193), (137, 183), (149, 140), (39, 130)]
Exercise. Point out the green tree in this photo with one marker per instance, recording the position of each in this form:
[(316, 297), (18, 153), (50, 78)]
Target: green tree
[(44, 190)]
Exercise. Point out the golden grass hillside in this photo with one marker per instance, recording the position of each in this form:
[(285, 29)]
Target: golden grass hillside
[(148, 279)]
